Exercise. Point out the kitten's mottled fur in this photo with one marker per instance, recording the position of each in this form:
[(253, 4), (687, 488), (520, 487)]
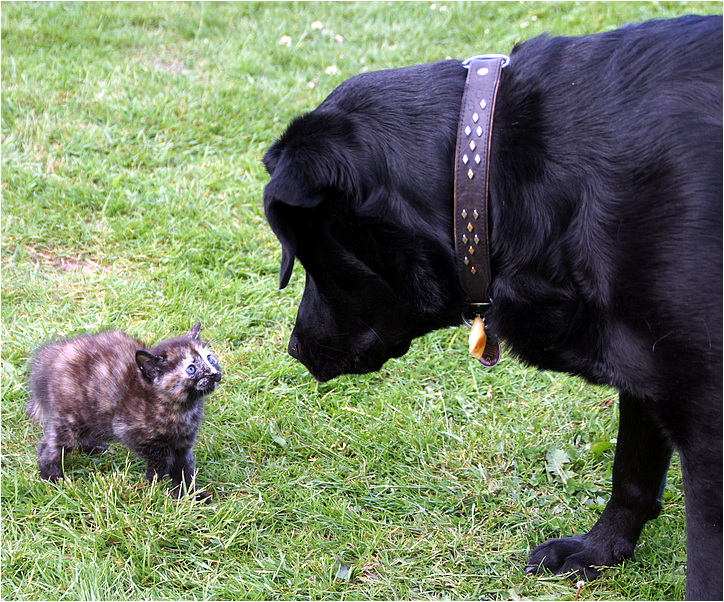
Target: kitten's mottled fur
[(109, 387)]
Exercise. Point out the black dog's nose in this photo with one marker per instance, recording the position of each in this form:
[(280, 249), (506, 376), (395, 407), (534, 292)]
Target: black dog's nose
[(293, 347)]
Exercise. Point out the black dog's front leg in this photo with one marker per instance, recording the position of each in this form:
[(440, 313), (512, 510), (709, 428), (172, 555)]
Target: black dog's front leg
[(639, 473), (701, 468)]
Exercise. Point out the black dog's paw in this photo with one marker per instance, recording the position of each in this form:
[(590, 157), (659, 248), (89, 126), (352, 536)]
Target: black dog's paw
[(577, 557)]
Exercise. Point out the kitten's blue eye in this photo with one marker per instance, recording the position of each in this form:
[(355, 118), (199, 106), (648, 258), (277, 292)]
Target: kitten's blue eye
[(191, 370), (211, 359)]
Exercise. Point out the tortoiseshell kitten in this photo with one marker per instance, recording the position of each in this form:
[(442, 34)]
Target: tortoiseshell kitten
[(109, 387)]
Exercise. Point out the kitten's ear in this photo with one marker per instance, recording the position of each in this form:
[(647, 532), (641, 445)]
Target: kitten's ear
[(194, 332), (149, 364)]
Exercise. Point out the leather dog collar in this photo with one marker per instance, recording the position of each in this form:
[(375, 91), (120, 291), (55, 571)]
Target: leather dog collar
[(472, 158)]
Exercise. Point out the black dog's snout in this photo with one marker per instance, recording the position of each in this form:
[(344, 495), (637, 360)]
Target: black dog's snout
[(293, 348)]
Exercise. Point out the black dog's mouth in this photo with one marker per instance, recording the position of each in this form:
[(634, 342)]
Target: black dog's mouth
[(399, 350), (326, 368)]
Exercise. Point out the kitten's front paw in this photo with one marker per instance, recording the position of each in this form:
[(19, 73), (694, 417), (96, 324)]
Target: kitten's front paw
[(181, 492), (203, 496)]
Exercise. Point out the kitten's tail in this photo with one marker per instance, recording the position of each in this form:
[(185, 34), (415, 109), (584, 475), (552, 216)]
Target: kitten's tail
[(36, 405), (35, 410)]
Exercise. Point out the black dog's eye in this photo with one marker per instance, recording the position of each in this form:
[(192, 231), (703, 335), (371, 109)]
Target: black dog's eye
[(191, 370)]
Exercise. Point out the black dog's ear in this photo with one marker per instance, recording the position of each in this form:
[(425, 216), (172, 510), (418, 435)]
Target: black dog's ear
[(149, 364), (285, 272), (287, 190), (290, 188), (314, 157)]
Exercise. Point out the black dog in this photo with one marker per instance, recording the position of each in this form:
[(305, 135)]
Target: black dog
[(605, 238)]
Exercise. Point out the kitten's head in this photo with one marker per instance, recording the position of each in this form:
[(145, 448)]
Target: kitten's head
[(184, 368)]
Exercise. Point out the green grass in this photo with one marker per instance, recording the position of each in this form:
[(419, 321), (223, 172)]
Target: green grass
[(131, 186)]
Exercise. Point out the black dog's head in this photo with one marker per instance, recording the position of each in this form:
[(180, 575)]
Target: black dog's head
[(361, 193)]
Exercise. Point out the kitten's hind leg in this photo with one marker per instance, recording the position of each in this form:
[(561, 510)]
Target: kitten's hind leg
[(60, 438), (50, 457), (92, 447)]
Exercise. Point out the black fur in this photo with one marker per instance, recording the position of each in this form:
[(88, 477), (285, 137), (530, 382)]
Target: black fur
[(606, 244)]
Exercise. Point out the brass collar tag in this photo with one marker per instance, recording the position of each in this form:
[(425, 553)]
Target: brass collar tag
[(486, 349)]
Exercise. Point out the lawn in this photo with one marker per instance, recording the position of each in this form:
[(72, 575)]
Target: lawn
[(131, 198)]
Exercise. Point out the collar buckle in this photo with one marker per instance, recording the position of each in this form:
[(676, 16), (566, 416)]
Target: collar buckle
[(478, 57)]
